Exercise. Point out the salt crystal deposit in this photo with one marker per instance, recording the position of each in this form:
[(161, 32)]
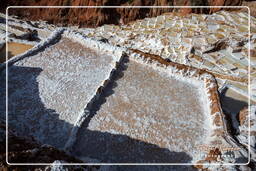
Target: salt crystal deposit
[(157, 90)]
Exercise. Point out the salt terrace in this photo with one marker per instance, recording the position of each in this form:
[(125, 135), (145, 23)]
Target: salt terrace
[(147, 106), (218, 43), (158, 106), (49, 90), (151, 111), (154, 99)]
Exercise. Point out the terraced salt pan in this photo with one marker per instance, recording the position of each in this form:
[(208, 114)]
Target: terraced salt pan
[(147, 116), (48, 91), (186, 39)]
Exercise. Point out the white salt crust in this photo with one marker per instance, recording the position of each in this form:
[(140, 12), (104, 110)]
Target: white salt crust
[(116, 54), (161, 96), (207, 82), (51, 57), (43, 33), (36, 48), (99, 45), (96, 45), (189, 77)]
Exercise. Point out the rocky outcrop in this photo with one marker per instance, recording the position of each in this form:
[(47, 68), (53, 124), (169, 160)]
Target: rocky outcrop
[(97, 16)]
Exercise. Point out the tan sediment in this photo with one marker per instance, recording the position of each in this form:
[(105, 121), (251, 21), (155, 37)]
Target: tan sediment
[(228, 77), (13, 50)]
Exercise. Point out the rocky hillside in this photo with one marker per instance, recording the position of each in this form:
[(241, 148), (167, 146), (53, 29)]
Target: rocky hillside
[(96, 17)]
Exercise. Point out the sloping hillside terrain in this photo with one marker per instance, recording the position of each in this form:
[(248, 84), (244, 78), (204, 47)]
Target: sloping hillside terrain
[(96, 17)]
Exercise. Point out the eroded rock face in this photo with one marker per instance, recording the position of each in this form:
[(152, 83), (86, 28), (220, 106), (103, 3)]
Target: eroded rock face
[(96, 17)]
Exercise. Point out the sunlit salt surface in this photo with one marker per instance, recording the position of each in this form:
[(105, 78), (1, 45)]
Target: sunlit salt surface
[(143, 116), (49, 90)]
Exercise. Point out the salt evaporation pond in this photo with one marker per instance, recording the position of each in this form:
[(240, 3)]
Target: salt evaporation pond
[(49, 90), (144, 116)]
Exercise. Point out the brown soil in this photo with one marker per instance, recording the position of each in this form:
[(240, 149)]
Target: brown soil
[(243, 116), (96, 17), (252, 7)]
